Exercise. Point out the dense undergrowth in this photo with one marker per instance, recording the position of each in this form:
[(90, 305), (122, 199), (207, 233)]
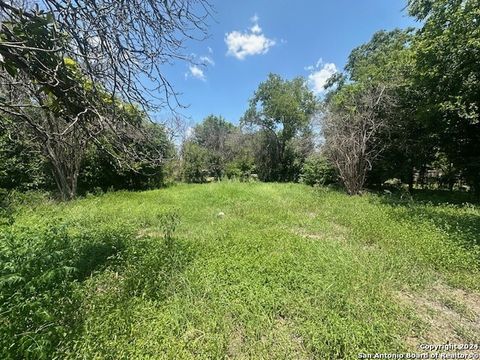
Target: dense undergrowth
[(236, 270)]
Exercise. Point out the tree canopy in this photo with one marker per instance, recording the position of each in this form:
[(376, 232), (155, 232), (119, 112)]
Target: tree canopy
[(283, 110)]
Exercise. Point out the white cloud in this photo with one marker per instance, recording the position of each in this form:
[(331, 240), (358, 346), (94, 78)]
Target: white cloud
[(320, 74), (207, 60), (199, 65), (241, 45), (188, 132), (196, 72), (256, 29), (251, 42)]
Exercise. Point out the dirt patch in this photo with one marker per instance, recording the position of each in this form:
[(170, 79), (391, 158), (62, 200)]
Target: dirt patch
[(284, 341), (310, 235), (333, 232), (150, 233), (235, 344), (279, 340), (450, 315)]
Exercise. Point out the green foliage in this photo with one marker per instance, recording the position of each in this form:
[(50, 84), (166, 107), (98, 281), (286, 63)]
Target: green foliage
[(101, 170), (150, 265), (387, 58), (40, 270), (241, 168), (212, 133), (282, 110), (70, 114), (317, 171), (447, 47), (214, 136), (292, 271), (281, 102), (194, 163), (168, 223), (38, 62), (6, 207), (433, 76), (411, 138), (22, 165)]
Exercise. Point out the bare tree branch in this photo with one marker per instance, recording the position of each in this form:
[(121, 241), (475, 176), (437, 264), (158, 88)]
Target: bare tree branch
[(351, 131)]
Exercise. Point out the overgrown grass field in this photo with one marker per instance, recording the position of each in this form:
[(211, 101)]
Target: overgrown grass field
[(237, 270)]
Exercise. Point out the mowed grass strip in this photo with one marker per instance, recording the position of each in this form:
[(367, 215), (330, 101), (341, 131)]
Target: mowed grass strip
[(269, 271)]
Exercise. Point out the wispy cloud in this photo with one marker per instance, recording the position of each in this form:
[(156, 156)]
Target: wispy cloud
[(196, 72), (250, 42), (199, 65), (207, 60)]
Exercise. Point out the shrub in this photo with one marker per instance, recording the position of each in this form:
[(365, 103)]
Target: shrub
[(194, 163), (242, 169), (6, 207), (22, 166), (317, 171)]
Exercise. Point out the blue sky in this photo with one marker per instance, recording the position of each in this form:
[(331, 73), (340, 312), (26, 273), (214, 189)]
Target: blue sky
[(249, 39)]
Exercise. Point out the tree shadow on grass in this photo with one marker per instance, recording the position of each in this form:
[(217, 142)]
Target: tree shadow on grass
[(40, 273), (443, 197), (113, 303), (95, 256), (51, 277), (460, 225), (152, 269)]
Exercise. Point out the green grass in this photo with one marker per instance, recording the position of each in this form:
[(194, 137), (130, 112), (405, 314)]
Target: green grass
[(289, 271)]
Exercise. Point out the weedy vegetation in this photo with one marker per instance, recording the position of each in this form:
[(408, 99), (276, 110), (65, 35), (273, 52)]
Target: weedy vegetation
[(289, 271)]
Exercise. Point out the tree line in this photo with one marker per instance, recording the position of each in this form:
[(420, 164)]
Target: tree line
[(405, 107), (407, 104), (78, 81)]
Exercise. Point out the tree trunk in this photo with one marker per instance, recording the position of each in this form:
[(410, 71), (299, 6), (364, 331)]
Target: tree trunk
[(65, 162), (66, 183)]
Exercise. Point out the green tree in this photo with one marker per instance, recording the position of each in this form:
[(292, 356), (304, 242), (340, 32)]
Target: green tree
[(100, 170), (72, 78), (281, 110), (213, 134), (410, 136), (317, 171), (194, 163), (22, 164), (447, 50)]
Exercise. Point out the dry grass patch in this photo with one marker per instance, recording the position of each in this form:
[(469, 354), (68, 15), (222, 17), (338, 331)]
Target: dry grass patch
[(450, 315), (333, 231), (235, 349)]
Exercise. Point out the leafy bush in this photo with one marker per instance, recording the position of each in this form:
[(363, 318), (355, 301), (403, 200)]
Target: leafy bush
[(40, 270), (317, 171), (242, 169), (21, 164), (102, 171), (194, 163), (6, 208)]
